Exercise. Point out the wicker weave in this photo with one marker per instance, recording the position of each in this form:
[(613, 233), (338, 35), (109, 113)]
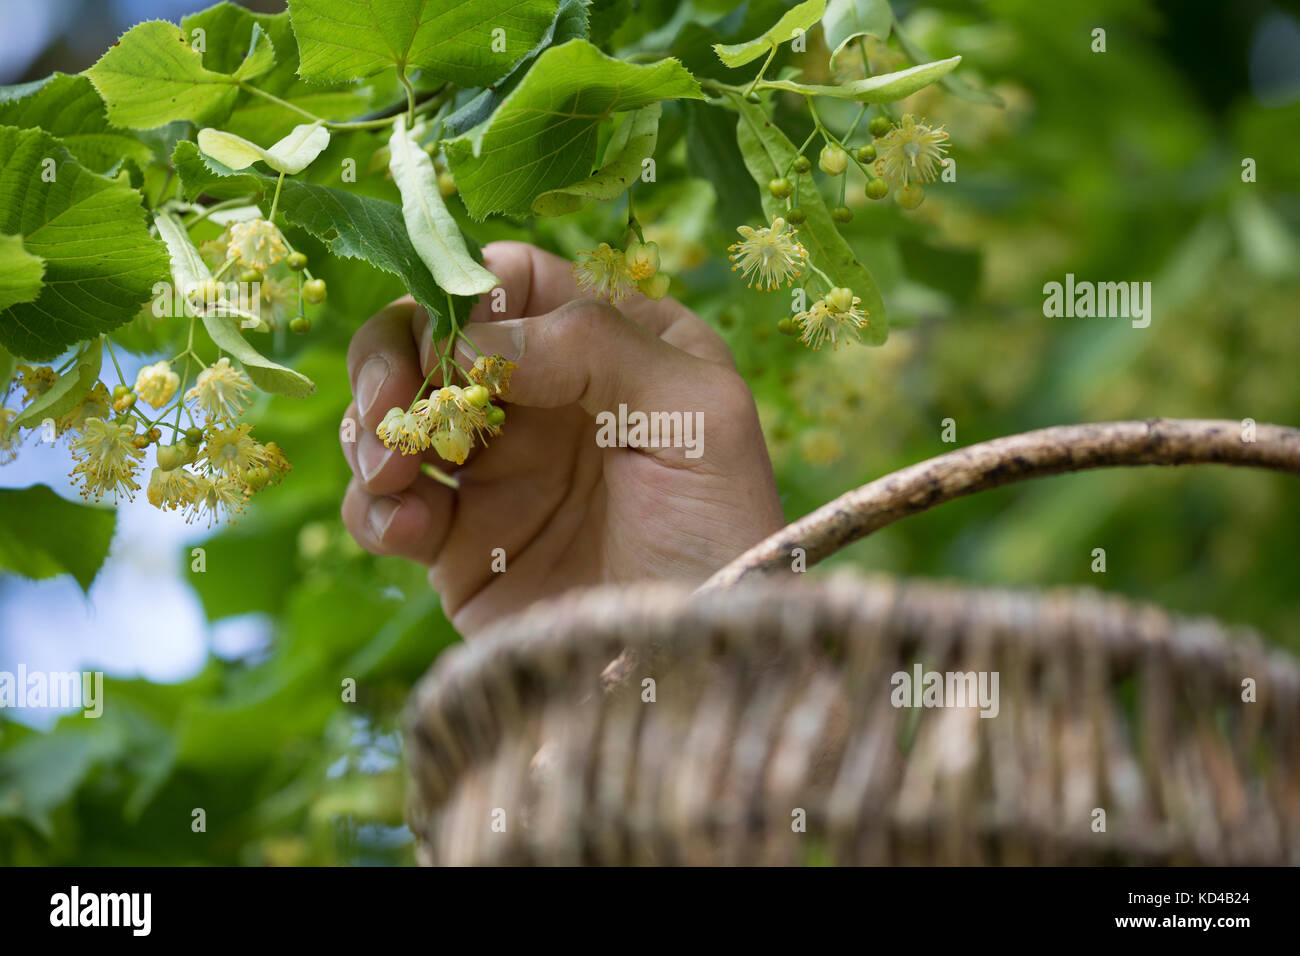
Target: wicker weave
[(776, 699)]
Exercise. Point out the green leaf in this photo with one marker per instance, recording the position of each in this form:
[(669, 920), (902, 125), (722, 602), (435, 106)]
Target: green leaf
[(543, 136), (712, 154), (266, 375), (953, 84), (340, 40), (201, 175), (43, 535), (67, 392), (432, 230), (884, 88), (153, 76), (768, 153), (255, 117), (571, 21), (795, 21), (20, 272), (632, 142), (260, 58), (100, 261), (846, 20), (290, 155), (68, 107)]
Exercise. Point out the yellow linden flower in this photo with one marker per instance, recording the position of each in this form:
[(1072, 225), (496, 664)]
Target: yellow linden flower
[(232, 452), (769, 254), (256, 243), (407, 432), (642, 260), (157, 383), (97, 404), (911, 152), (8, 446), (221, 391), (217, 494), (106, 459), (172, 490), (834, 316), (603, 272), (493, 373), (457, 423), (35, 381)]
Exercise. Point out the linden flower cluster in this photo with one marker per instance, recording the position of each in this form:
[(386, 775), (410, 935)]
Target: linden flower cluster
[(452, 419), (210, 471), (276, 274), (613, 275)]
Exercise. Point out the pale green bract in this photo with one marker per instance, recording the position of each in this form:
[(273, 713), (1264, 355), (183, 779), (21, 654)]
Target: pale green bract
[(290, 155), (796, 20), (433, 231), (885, 88)]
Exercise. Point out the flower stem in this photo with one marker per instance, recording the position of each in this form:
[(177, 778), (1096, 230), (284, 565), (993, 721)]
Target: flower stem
[(753, 83), (275, 203)]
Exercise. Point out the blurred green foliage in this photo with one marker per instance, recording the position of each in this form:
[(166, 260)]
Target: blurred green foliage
[(1115, 166)]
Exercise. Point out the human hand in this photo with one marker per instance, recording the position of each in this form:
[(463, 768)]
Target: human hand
[(566, 511)]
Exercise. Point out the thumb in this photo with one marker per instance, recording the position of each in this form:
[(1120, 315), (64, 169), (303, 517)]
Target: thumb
[(590, 354)]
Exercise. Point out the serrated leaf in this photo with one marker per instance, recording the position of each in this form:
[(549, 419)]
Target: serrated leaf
[(885, 88), (260, 58), (255, 117), (43, 535), (432, 230), (67, 392), (954, 85), (543, 136), (350, 225), (20, 272), (340, 40), (290, 155), (768, 153), (100, 261), (794, 21), (69, 107), (153, 76), (201, 174), (846, 20), (632, 142), (571, 22)]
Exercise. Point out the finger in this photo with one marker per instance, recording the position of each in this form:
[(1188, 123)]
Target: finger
[(412, 523), (383, 362), (381, 469), (532, 281)]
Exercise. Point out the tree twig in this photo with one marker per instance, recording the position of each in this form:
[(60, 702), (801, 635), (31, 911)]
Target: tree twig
[(1036, 454)]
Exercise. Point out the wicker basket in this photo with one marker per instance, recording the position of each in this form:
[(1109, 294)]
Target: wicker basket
[(778, 709)]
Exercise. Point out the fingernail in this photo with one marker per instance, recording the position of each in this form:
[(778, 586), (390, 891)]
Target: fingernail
[(381, 515), (371, 378), (372, 455), (504, 338)]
